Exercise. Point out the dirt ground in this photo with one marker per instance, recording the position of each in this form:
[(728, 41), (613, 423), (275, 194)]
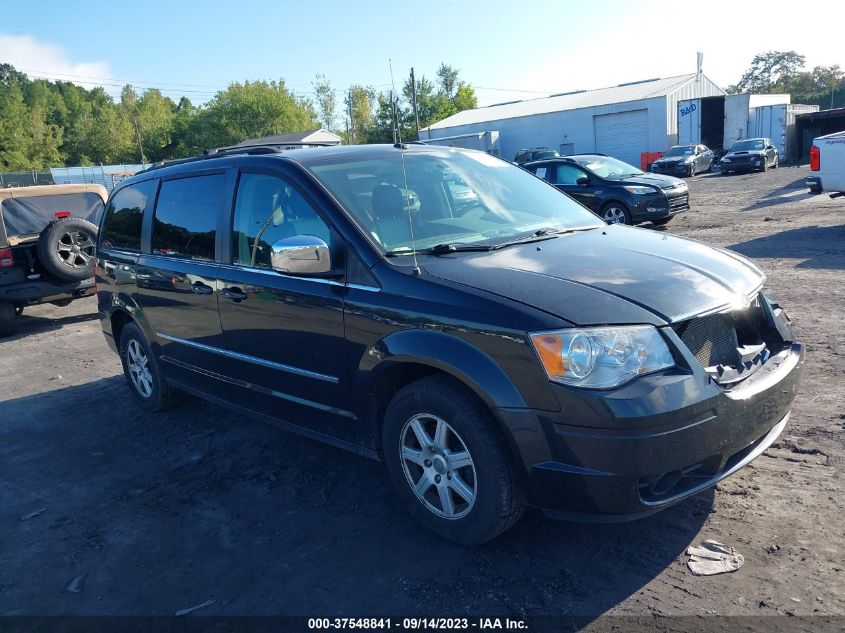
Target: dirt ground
[(105, 509)]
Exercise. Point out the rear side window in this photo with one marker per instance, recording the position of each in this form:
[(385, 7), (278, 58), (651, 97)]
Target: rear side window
[(124, 216), (185, 221)]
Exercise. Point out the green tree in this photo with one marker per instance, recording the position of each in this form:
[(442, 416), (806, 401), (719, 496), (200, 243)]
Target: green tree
[(465, 98), (249, 110), (13, 122), (325, 98), (769, 70), (447, 79), (362, 102), (776, 72)]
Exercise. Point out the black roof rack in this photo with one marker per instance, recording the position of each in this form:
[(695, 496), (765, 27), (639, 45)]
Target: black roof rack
[(232, 150)]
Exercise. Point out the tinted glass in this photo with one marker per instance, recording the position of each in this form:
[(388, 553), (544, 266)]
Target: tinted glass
[(387, 200), (124, 216), (268, 209), (567, 174), (745, 146), (608, 167), (186, 216), (682, 150)]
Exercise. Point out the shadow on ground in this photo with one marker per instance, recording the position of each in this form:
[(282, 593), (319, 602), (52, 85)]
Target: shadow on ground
[(817, 246), (791, 192), (28, 325), (156, 513)]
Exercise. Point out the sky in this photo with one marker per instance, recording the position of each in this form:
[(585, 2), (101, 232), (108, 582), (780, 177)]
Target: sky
[(506, 50)]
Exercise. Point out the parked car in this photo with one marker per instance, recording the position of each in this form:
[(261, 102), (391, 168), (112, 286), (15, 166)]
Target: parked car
[(827, 162), (617, 192), (752, 154), (48, 238), (684, 160), (516, 352), (535, 153)]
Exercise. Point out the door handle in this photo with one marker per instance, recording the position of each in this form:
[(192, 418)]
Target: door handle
[(234, 294), (199, 288)]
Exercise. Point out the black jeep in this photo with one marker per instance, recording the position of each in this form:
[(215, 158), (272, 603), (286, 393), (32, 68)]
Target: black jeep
[(48, 238)]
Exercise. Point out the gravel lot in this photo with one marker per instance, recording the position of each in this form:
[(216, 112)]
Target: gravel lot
[(151, 514)]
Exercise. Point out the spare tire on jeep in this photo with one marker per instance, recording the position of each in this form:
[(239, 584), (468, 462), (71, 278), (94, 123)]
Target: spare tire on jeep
[(66, 248)]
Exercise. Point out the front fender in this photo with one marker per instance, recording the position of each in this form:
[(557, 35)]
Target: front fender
[(444, 352), (520, 427)]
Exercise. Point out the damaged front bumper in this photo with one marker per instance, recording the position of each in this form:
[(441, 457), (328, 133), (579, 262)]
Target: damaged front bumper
[(629, 452)]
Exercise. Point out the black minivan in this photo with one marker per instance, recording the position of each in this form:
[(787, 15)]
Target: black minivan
[(511, 351)]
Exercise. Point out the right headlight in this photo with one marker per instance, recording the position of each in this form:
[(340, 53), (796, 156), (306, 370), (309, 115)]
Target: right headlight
[(602, 357)]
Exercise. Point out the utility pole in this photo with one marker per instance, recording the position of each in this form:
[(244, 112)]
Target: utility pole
[(140, 145), (414, 98), (351, 121)]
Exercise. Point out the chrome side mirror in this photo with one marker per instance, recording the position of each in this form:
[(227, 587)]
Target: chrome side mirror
[(301, 255)]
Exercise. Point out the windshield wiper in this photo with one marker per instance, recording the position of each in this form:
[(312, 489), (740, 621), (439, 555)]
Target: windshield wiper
[(439, 249), (442, 249), (543, 234)]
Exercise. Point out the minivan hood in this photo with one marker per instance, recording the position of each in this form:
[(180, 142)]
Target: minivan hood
[(608, 275)]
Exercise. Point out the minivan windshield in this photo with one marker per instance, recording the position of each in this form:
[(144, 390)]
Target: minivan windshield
[(745, 146), (607, 167), (445, 196), (681, 150)]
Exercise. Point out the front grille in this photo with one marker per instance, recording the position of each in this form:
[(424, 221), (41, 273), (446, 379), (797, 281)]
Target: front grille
[(679, 202), (712, 340)]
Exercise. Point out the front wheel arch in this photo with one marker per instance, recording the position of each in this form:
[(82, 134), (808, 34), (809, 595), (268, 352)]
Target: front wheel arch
[(619, 204)]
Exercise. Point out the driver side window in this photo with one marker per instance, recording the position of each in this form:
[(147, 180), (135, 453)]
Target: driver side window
[(567, 174), (267, 209)]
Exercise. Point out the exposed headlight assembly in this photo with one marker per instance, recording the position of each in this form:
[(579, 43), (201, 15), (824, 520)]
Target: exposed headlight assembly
[(640, 191), (602, 357)]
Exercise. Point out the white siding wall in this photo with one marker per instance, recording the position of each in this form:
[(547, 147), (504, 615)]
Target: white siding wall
[(695, 89), (554, 129), (558, 128)]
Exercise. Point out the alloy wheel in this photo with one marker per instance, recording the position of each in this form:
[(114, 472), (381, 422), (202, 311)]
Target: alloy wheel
[(614, 215), (76, 249), (138, 366), (438, 466)]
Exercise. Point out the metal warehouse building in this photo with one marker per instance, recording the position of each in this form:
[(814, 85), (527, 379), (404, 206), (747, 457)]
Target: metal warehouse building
[(623, 121)]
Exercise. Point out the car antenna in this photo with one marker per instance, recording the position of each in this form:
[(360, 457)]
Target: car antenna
[(401, 149)]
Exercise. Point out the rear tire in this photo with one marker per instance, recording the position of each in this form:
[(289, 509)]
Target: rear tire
[(448, 464), (142, 371), (7, 319), (66, 248)]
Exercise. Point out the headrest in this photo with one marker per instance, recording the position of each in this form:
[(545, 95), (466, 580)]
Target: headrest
[(388, 202)]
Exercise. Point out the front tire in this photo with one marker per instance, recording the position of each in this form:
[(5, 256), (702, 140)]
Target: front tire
[(615, 213), (448, 464), (142, 371)]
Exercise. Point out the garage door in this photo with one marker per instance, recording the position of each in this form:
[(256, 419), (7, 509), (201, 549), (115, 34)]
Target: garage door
[(623, 135)]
